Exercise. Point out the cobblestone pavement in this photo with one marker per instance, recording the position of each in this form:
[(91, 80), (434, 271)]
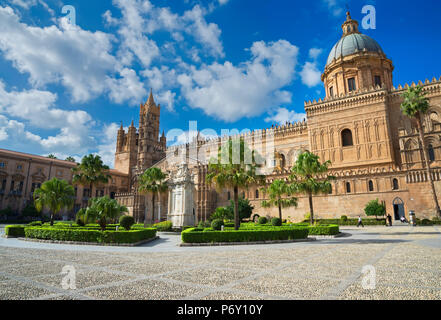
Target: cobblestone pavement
[(407, 264)]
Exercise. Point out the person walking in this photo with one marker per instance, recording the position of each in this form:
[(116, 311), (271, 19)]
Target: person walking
[(389, 219), (360, 222)]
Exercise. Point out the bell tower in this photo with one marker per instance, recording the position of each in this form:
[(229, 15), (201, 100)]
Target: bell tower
[(151, 148)]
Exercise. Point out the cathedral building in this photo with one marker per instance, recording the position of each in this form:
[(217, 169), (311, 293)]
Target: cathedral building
[(358, 126), (374, 149)]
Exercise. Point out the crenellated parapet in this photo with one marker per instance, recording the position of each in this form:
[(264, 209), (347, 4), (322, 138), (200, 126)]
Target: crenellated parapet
[(344, 101)]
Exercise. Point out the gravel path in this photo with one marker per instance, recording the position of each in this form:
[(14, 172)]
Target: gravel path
[(406, 261)]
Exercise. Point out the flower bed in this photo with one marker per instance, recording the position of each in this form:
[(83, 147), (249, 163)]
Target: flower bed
[(199, 235)]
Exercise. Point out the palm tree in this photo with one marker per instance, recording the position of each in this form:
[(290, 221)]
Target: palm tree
[(91, 171), (103, 209), (415, 105), (232, 171), (54, 195), (51, 156), (152, 181), (305, 179), (277, 192), (71, 159)]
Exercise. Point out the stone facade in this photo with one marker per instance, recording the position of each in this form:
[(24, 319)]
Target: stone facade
[(21, 174)]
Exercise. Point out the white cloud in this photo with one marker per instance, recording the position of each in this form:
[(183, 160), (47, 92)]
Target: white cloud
[(78, 59), (107, 147), (334, 6), (283, 115), (127, 88), (231, 92), (310, 74), (222, 2), (314, 53)]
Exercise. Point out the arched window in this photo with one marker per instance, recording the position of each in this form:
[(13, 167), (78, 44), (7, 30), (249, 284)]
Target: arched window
[(431, 153), (229, 195), (346, 138), (257, 193), (395, 184), (330, 189), (348, 187), (371, 186)]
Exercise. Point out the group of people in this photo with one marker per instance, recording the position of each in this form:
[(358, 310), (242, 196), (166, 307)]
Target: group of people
[(388, 221)]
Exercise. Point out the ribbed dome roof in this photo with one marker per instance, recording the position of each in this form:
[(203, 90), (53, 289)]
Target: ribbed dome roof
[(351, 44)]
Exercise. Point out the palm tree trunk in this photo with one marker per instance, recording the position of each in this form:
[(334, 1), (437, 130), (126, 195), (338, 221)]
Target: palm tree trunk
[(427, 164), (52, 218), (153, 208), (280, 211), (311, 209), (145, 212), (236, 209)]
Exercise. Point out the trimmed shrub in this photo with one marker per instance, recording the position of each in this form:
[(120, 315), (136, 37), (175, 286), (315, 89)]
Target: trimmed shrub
[(217, 224), (324, 230), (350, 222), (87, 235), (426, 222), (164, 226), (279, 233), (35, 224), (277, 222), (262, 220), (15, 231), (344, 218), (126, 222)]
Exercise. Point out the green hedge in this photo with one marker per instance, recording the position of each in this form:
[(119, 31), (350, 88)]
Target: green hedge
[(80, 234), (164, 226), (15, 231), (324, 230), (195, 235)]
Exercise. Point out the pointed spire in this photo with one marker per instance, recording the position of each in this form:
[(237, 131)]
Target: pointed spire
[(151, 100), (121, 128)]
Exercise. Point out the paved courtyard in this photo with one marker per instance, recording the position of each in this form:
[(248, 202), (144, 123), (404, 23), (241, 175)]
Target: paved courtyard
[(407, 263)]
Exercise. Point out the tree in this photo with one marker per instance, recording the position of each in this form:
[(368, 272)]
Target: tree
[(30, 211), (54, 195), (415, 105), (375, 208), (91, 171), (235, 168), (103, 209), (51, 156), (279, 193), (305, 178), (244, 207), (71, 159), (222, 213), (152, 181)]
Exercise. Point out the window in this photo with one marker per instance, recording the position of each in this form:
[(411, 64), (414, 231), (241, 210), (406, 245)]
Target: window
[(2, 165), (346, 137), (377, 81), (330, 189), (4, 184), (431, 153), (348, 187), (371, 186), (331, 91), (395, 185), (257, 193), (229, 195), (351, 84), (20, 188), (19, 167)]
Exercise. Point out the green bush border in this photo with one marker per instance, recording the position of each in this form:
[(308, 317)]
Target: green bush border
[(80, 234), (196, 235), (324, 230), (15, 231)]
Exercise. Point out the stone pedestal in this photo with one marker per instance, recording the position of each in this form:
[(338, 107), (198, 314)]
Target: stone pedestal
[(181, 210)]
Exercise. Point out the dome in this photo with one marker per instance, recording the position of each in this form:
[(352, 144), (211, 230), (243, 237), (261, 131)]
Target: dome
[(351, 44)]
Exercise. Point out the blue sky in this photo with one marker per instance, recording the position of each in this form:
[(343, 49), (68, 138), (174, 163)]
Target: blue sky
[(227, 64)]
